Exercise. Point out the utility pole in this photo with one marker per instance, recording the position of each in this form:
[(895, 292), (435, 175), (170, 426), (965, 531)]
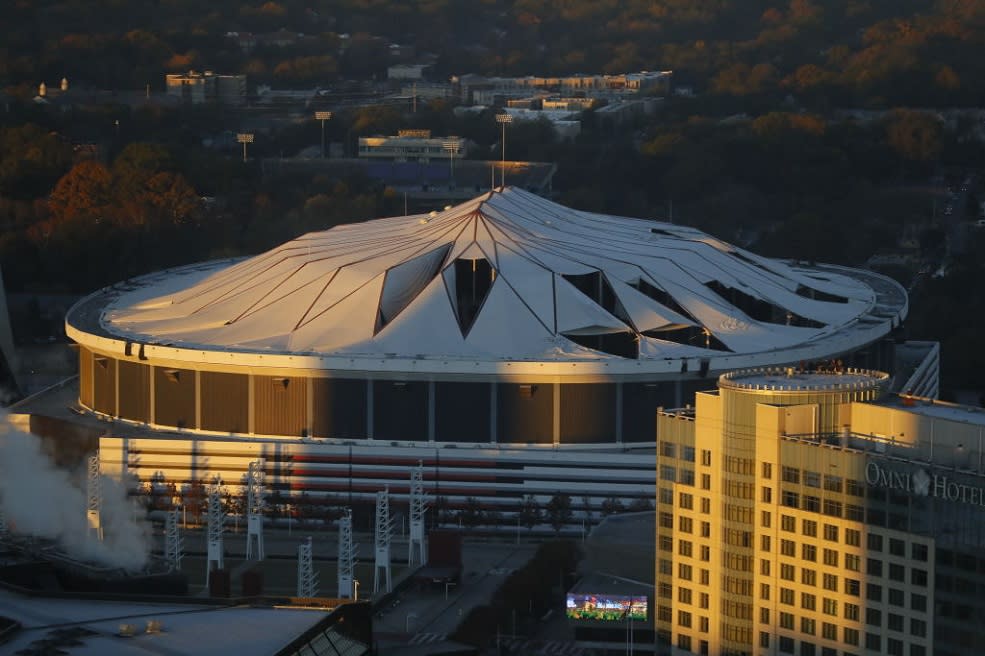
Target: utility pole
[(323, 116)]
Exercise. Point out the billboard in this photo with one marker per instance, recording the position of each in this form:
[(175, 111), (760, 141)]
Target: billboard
[(605, 607)]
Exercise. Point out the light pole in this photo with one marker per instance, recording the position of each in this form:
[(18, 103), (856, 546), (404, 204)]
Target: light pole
[(355, 590), (323, 116), (450, 145), (244, 138), (503, 119)]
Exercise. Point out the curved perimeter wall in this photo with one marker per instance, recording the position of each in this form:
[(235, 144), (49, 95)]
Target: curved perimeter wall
[(323, 405)]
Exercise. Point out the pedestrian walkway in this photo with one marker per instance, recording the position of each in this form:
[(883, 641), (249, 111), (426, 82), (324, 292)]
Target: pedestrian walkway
[(427, 638), (542, 647)]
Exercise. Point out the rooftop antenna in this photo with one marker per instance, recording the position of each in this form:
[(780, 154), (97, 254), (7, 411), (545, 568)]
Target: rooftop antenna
[(307, 578), (384, 527), (94, 497), (216, 520), (172, 540), (415, 548), (254, 510), (347, 556)]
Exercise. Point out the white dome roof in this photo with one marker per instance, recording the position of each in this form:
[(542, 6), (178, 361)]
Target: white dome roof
[(505, 276)]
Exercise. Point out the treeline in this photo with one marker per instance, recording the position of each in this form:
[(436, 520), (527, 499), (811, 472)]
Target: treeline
[(827, 53)]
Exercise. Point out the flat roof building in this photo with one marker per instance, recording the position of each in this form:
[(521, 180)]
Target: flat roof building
[(809, 513)]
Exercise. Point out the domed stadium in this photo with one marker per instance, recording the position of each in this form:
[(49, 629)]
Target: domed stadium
[(508, 319)]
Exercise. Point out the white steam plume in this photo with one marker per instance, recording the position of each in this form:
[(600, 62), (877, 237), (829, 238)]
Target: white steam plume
[(41, 500)]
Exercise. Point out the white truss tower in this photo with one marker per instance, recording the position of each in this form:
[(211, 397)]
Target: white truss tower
[(94, 497), (3, 525), (254, 510), (347, 556), (384, 528), (216, 521), (172, 540), (418, 506), (307, 577)]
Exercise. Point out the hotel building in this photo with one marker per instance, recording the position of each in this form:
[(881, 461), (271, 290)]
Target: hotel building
[(811, 514)]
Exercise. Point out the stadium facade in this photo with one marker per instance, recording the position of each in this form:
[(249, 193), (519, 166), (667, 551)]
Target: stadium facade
[(512, 345), (811, 514)]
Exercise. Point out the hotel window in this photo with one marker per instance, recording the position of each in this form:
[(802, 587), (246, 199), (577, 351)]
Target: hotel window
[(896, 597), (894, 647), (666, 543), (684, 572), (684, 642), (764, 567), (705, 553), (897, 572), (684, 548), (764, 591), (808, 577), (812, 503), (809, 528), (832, 483), (706, 458), (786, 620), (918, 650), (873, 641), (918, 577), (764, 639), (685, 524), (786, 596), (704, 648), (767, 495), (766, 518), (832, 508), (687, 454), (668, 449), (855, 488), (665, 591), (808, 601), (807, 648), (873, 592), (703, 600), (790, 474), (853, 563), (829, 607), (791, 499), (918, 628), (703, 624), (706, 481), (668, 473), (786, 644), (687, 476), (666, 495), (809, 552), (852, 612), (873, 567), (788, 548), (812, 479), (831, 532), (873, 617), (664, 613), (767, 470), (686, 501), (831, 557), (666, 520), (706, 506), (854, 513), (852, 587), (829, 631), (831, 582), (788, 523), (918, 602), (895, 622), (918, 552), (850, 636), (897, 547), (705, 576), (874, 542), (807, 625), (764, 615), (684, 595), (684, 618), (853, 538), (706, 529)]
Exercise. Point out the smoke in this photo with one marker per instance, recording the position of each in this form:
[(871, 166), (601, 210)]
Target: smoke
[(41, 500)]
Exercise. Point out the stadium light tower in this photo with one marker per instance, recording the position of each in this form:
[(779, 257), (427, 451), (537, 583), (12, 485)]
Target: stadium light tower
[(254, 510), (503, 119), (451, 146), (172, 540), (323, 116), (384, 528), (307, 577), (244, 138), (347, 557), (215, 529), (415, 547), (94, 497)]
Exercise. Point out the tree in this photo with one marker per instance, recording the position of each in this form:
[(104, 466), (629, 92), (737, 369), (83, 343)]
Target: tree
[(530, 512), (612, 506), (916, 136), (559, 511), (471, 514), (82, 194)]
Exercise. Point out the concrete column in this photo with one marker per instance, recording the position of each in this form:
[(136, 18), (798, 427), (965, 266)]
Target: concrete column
[(431, 411), (493, 412), (557, 413), (369, 408), (618, 413)]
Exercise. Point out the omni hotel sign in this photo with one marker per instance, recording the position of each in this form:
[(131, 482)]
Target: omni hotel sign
[(922, 484)]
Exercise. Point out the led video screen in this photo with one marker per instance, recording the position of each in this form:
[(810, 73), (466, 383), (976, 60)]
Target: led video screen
[(605, 607)]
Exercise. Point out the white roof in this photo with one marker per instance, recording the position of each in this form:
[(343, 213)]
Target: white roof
[(505, 276)]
